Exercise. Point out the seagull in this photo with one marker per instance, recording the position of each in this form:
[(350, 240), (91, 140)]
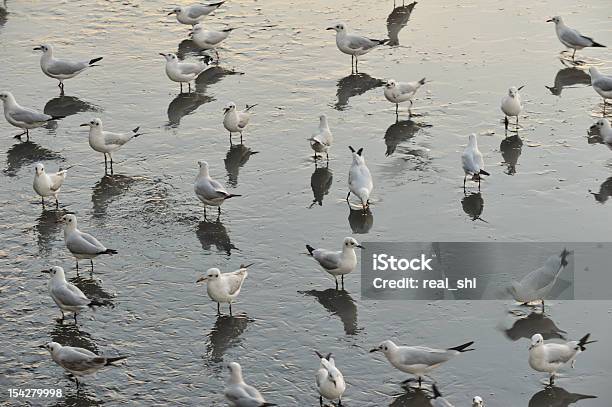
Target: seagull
[(48, 184), (209, 39), (235, 121), (550, 357), (398, 92), (107, 142), (62, 69), (322, 140), (209, 191), (354, 45), (605, 131), (67, 296), (602, 84), (418, 360), (224, 287), (78, 361), (192, 15), (240, 394), (438, 400), (329, 380), (536, 285), (360, 179), (572, 38), (183, 72), (82, 245), (23, 117), (472, 161), (477, 401), (511, 105), (337, 263)]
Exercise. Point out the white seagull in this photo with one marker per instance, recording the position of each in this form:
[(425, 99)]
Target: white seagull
[(360, 180), (209, 191), (23, 117), (82, 245), (536, 285), (398, 92), (322, 140), (477, 401), (235, 121), (192, 15), (184, 72), (550, 357), (472, 162), (240, 394), (107, 142), (354, 45), (48, 184), (209, 39), (605, 131), (512, 105), (418, 360), (329, 380), (78, 361), (571, 38), (337, 263), (224, 287), (62, 69), (67, 296), (602, 84)]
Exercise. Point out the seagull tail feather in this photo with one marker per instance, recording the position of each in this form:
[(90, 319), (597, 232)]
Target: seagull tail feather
[(584, 341), (310, 249), (109, 361), (463, 348)]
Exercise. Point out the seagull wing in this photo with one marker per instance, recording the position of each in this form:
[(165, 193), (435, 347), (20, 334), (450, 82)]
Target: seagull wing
[(419, 355), (328, 259), (57, 180), (358, 42), (234, 281), (469, 162), (25, 115), (70, 295), (573, 37), (63, 67), (559, 352), (117, 139), (604, 83), (187, 68)]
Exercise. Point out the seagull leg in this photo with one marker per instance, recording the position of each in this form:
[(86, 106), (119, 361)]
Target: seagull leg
[(63, 316), (574, 54), (321, 401), (219, 210), (352, 63), (347, 196), (75, 320), (77, 261), (218, 309), (542, 305), (420, 381), (327, 153), (189, 84), (396, 109), (56, 203), (111, 163), (342, 279), (91, 261), (479, 182), (77, 382), (105, 164), (506, 122), (464, 178), (181, 87), (217, 53), (339, 402), (356, 62), (551, 381), (240, 137), (204, 211), (230, 307), (336, 278)]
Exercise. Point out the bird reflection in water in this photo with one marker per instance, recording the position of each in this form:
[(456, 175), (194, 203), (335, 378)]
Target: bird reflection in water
[(92, 288), (360, 221), (413, 397), (354, 85), (397, 20), (25, 154), (338, 303), (569, 77), (214, 233), (605, 191), (225, 335), (71, 335), (553, 396), (109, 188), (400, 132), (78, 397), (320, 182), (236, 157), (48, 227), (68, 106), (534, 323), (511, 149), (473, 205)]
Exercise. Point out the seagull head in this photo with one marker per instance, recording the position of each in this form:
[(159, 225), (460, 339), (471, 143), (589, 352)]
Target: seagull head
[(390, 83), (536, 340), (39, 168), (93, 124), (593, 71), (477, 402), (6, 96), (197, 28), (555, 19), (51, 346), (69, 220), (600, 124), (229, 107), (513, 91), (169, 57), (351, 243), (235, 371), (338, 27), (176, 10), (44, 48), (384, 347), (211, 275), (55, 272)]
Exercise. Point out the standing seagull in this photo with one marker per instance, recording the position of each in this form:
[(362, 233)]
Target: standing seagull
[(322, 140), (337, 263), (550, 357), (23, 117), (235, 121), (536, 285), (418, 360), (82, 245), (360, 180), (511, 105), (183, 72), (62, 69), (67, 296), (209, 39), (329, 380), (209, 191), (602, 85), (398, 92), (472, 161), (106, 142), (605, 131), (240, 394), (354, 45), (192, 15), (224, 287), (572, 38), (78, 361), (48, 184)]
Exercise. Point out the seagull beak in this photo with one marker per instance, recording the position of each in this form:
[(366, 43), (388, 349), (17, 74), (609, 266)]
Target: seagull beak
[(373, 350), (162, 54), (45, 271), (360, 246), (549, 20), (84, 125), (172, 12), (202, 279), (521, 87), (225, 110), (330, 28), (37, 48), (530, 347), (42, 346), (593, 127)]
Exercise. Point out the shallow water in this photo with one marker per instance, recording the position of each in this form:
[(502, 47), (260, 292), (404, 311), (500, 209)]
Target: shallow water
[(549, 185)]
